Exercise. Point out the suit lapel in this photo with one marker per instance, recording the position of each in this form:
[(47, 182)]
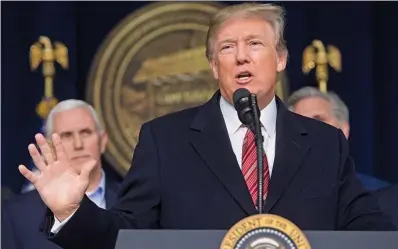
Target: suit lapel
[(111, 192), (291, 148), (210, 139)]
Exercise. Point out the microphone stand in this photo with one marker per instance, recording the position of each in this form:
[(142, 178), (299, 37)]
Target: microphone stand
[(259, 146)]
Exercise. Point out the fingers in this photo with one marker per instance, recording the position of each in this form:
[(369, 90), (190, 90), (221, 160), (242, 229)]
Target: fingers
[(59, 148), (45, 148), (37, 158), (28, 174), (87, 168)]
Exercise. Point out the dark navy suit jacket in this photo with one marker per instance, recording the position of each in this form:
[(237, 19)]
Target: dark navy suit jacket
[(22, 217), (388, 200), (184, 175)]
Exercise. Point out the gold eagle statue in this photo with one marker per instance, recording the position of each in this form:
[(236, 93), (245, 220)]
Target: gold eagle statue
[(43, 52), (316, 56)]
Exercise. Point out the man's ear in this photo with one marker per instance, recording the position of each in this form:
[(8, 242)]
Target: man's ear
[(281, 61)]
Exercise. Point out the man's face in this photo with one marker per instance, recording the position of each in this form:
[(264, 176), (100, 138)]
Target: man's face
[(320, 109), (245, 56), (79, 136)]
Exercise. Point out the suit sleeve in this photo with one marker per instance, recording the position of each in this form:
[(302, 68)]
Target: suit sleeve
[(8, 233), (138, 206), (357, 208)]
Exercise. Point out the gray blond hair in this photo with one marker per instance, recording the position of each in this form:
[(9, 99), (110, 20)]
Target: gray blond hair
[(67, 105), (273, 14), (339, 108)]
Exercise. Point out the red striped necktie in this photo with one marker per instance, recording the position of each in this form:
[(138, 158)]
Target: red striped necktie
[(249, 166)]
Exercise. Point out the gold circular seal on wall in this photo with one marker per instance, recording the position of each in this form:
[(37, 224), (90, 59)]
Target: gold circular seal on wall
[(152, 63), (265, 231)]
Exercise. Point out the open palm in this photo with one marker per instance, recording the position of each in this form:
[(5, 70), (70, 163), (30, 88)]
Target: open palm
[(60, 186)]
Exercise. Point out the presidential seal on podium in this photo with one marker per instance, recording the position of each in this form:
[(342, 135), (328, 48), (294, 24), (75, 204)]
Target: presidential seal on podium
[(265, 231)]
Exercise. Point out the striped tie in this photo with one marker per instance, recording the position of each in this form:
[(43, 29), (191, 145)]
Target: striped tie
[(249, 166)]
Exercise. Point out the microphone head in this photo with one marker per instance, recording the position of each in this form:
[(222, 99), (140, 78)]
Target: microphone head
[(241, 99), (239, 95)]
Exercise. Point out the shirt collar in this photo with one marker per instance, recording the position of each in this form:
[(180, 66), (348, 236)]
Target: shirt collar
[(267, 117), (100, 190)]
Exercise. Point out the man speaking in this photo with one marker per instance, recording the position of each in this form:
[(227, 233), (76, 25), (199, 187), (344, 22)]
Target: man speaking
[(194, 169)]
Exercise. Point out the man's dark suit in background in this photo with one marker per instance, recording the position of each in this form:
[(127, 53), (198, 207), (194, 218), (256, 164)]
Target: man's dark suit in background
[(184, 175), (6, 193), (22, 217)]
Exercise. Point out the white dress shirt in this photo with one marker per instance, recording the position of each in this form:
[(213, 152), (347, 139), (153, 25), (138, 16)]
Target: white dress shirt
[(237, 132)]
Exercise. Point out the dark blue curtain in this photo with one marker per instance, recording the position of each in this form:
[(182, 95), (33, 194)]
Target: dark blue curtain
[(22, 24), (385, 85), (365, 32)]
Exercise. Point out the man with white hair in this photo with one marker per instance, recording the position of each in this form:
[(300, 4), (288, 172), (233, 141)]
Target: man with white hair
[(326, 107), (329, 108), (84, 139), (196, 168)]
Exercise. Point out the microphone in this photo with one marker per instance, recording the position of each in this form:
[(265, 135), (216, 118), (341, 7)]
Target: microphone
[(246, 105), (241, 99)]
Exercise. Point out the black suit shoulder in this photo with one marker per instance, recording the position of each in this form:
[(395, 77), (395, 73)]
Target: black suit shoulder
[(183, 119), (175, 120), (315, 126), (320, 134), (167, 128)]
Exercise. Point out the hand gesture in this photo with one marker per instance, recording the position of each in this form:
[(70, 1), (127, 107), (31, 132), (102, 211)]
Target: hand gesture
[(60, 186)]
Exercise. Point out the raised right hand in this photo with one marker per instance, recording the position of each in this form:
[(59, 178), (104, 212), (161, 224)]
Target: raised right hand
[(60, 186)]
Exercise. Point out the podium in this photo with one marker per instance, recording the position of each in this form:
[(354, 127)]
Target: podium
[(211, 239)]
